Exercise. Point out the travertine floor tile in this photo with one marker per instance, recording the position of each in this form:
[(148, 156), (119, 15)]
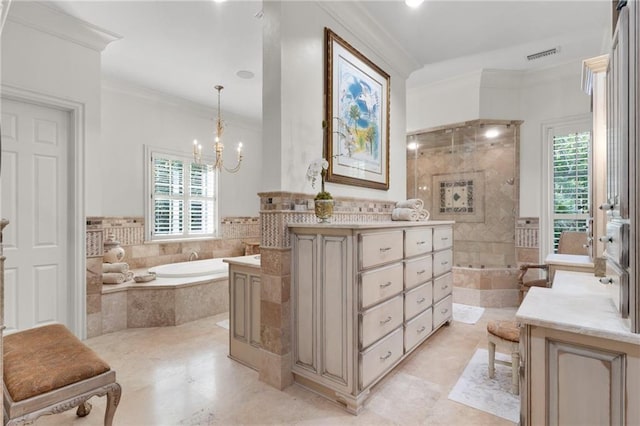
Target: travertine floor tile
[(182, 376)]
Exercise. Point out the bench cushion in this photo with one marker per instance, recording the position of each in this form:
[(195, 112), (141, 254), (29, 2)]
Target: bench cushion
[(507, 330), (46, 358)]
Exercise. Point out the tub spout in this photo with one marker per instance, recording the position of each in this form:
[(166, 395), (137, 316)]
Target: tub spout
[(193, 255)]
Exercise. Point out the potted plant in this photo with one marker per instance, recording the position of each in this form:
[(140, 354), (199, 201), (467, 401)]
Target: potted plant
[(323, 200)]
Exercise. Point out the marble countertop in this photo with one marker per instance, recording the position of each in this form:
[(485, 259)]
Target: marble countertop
[(161, 282), (569, 260), (371, 225), (252, 260), (576, 303)]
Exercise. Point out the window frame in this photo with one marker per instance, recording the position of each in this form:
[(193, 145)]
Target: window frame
[(149, 220), (577, 124)]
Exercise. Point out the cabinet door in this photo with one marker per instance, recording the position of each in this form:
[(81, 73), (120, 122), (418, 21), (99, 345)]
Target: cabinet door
[(618, 118)]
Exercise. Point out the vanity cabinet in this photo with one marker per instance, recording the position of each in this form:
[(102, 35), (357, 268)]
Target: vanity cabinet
[(580, 363), (244, 310), (363, 297)]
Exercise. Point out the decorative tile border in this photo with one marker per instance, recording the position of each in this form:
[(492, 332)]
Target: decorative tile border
[(278, 209), (527, 232)]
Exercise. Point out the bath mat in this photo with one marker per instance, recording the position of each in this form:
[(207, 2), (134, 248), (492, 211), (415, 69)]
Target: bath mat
[(475, 389), (223, 324), (466, 313)]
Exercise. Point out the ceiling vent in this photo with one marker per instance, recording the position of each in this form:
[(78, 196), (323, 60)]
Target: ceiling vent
[(542, 54)]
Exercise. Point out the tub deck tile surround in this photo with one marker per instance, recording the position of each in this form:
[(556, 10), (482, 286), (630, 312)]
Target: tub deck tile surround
[(140, 255)]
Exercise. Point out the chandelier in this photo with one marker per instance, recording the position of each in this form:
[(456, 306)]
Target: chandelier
[(218, 146)]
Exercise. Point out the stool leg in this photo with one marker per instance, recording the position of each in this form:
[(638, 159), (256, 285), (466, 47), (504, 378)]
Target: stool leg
[(113, 399), (515, 372), (492, 359)]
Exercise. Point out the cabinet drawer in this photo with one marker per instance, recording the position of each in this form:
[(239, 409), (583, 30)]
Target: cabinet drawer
[(417, 271), (442, 261), (442, 237), (380, 357), (417, 329), (417, 300), (380, 284), (442, 311), (378, 321), (442, 286), (418, 241), (380, 248)]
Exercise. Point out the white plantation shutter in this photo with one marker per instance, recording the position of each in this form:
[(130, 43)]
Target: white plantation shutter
[(571, 184), (183, 198)]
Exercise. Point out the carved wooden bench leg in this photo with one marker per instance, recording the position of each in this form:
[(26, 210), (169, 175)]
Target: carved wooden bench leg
[(83, 409), (113, 399)]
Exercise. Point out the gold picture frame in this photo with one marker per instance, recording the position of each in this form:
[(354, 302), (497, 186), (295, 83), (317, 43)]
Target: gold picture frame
[(357, 94)]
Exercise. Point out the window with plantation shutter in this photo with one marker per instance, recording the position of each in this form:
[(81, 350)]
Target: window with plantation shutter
[(571, 185), (182, 198)]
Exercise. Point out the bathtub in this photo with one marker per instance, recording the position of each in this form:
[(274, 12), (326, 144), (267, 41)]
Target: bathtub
[(196, 268), (181, 292)]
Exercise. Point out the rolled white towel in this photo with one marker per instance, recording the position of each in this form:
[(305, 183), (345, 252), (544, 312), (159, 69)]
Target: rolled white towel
[(113, 278), (412, 203), (121, 267), (404, 214), (423, 215)]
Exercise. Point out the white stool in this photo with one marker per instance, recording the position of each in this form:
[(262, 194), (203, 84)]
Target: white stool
[(506, 333)]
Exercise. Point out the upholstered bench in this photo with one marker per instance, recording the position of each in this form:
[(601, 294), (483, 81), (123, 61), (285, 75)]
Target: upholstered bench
[(508, 334), (47, 370)]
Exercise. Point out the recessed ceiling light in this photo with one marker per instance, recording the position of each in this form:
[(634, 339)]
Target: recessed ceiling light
[(245, 74), (491, 133), (412, 146), (413, 3), (219, 1)]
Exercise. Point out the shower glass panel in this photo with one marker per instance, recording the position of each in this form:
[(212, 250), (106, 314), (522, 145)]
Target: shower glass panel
[(468, 173)]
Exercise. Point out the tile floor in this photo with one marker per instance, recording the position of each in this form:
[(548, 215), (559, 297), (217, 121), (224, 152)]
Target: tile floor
[(182, 376)]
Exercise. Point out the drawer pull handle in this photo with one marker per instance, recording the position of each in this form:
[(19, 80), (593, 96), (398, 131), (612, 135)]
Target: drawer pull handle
[(386, 357), (606, 206), (605, 239), (421, 329), (421, 300), (387, 284), (444, 238), (444, 263), (444, 287), (421, 242), (385, 321), (422, 271), (444, 311), (384, 249), (606, 280)]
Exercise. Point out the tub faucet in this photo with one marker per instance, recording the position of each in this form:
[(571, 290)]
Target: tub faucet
[(193, 255)]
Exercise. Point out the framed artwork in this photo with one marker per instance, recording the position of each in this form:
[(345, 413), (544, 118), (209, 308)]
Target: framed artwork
[(357, 116)]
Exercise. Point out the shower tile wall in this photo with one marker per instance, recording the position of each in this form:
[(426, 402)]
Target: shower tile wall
[(480, 240)]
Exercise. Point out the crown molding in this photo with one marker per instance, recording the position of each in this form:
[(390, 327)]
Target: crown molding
[(50, 20), (590, 67), (355, 18)]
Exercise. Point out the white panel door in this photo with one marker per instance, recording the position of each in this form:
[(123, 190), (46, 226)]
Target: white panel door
[(33, 197)]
